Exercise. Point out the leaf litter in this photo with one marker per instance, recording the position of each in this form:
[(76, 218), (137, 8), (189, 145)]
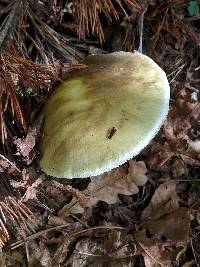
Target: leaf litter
[(140, 214), (162, 231), (108, 186)]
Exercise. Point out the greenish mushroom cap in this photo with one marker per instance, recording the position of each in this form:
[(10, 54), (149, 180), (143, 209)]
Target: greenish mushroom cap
[(103, 115)]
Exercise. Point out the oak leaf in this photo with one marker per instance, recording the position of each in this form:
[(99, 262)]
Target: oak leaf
[(108, 186)]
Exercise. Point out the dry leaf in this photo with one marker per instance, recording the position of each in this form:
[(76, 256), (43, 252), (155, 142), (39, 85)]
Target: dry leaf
[(157, 253), (194, 145), (173, 226), (31, 193), (158, 155), (169, 129), (30, 181), (163, 217), (108, 186), (196, 248), (178, 168), (137, 172), (151, 250), (164, 199), (29, 176), (114, 248), (193, 74), (25, 146), (8, 166)]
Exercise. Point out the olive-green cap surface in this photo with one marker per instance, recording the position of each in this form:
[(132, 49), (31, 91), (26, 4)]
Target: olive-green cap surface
[(103, 115)]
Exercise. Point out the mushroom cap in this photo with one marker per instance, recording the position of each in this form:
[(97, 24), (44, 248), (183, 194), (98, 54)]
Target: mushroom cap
[(103, 115)]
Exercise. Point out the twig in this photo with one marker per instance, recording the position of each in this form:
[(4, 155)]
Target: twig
[(82, 198), (146, 251), (141, 26), (10, 162), (194, 254), (177, 72), (34, 236)]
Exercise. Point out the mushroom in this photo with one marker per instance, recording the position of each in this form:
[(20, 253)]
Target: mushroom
[(103, 115)]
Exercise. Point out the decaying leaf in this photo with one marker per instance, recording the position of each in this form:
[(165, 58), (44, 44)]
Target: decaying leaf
[(31, 193), (165, 199), (8, 166), (169, 129), (115, 249), (164, 221), (193, 73), (157, 253), (108, 186), (30, 181), (159, 155), (137, 172), (25, 146), (196, 249), (163, 217), (194, 145), (179, 168), (173, 225)]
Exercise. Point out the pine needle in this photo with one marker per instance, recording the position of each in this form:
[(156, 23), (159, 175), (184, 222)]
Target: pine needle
[(87, 14), (13, 71), (12, 212)]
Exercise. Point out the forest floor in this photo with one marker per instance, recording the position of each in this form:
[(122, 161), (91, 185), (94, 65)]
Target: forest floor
[(90, 222)]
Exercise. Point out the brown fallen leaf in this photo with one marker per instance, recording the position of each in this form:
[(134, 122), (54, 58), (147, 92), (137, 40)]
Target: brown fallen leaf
[(30, 181), (137, 171), (193, 74), (8, 166), (174, 226), (165, 199), (169, 129), (25, 146), (167, 225), (112, 249), (159, 155), (157, 253), (194, 145), (179, 168), (31, 193), (108, 186)]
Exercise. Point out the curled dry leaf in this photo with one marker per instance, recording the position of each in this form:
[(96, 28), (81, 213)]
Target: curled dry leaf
[(31, 193), (108, 186), (30, 181), (137, 172), (25, 146)]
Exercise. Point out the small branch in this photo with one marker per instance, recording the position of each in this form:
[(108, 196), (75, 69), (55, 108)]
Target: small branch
[(146, 251), (141, 26), (34, 236), (10, 162)]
